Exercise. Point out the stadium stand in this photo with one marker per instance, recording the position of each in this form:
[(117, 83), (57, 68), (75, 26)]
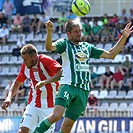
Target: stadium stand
[(129, 94), (112, 94), (111, 103), (103, 94), (115, 99), (121, 94)]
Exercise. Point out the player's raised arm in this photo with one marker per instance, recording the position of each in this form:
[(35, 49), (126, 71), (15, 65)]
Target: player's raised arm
[(117, 47), (49, 45), (12, 92)]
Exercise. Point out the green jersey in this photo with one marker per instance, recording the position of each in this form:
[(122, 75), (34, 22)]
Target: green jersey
[(75, 62)]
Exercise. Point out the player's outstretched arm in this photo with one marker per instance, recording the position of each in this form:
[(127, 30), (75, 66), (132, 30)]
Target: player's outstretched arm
[(49, 45), (12, 92), (117, 47)]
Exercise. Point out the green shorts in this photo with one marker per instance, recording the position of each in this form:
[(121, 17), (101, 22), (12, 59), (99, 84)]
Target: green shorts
[(73, 99)]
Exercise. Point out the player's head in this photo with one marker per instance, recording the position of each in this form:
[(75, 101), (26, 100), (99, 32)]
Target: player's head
[(29, 55), (74, 30)]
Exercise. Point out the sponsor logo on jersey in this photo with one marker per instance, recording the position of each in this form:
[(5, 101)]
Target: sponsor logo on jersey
[(81, 56), (82, 67)]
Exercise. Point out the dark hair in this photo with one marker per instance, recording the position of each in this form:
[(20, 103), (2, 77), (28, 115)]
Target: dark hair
[(107, 67), (43, 13), (28, 49), (72, 23)]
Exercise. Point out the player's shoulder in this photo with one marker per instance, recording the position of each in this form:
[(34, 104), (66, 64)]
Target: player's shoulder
[(42, 57), (23, 65), (45, 59), (61, 40)]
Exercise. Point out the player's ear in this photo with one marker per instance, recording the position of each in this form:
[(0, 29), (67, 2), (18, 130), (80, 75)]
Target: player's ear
[(68, 33), (34, 56)]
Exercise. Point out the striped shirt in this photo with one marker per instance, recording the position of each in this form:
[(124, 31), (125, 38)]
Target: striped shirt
[(45, 68), (75, 62)]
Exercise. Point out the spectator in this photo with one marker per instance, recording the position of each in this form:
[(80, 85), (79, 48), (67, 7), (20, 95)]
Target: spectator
[(112, 33), (92, 102), (4, 33), (3, 19), (117, 32), (106, 78), (105, 34), (8, 8), (20, 92), (114, 19), (130, 83), (130, 16), (34, 24), (127, 66), (84, 38), (42, 22), (26, 23), (132, 70), (118, 78), (96, 31), (7, 88), (126, 49), (105, 19), (20, 43), (71, 15), (17, 24), (123, 16), (130, 43), (94, 78), (61, 22), (86, 28)]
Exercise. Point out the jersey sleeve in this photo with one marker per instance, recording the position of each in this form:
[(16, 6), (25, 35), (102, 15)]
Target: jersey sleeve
[(60, 46), (95, 52), (51, 65), (21, 76)]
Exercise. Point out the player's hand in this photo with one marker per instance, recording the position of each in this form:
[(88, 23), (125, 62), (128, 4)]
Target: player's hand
[(128, 30), (40, 84), (49, 25), (5, 104)]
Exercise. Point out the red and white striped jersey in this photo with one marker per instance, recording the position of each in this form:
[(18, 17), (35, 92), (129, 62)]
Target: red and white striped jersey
[(45, 68)]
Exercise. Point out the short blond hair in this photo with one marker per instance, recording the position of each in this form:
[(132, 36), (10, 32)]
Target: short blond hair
[(28, 49)]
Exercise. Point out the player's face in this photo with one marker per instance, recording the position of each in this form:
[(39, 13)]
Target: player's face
[(75, 34), (28, 60)]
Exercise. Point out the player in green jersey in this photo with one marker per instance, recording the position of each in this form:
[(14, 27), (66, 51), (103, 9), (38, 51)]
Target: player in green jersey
[(74, 84)]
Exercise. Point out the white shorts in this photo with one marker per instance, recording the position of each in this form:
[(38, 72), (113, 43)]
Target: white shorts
[(33, 116)]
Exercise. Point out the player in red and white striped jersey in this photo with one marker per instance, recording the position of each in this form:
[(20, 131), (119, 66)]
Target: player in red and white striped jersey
[(43, 73)]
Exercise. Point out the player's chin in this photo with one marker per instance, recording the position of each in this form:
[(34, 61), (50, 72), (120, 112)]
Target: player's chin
[(78, 40), (29, 67)]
